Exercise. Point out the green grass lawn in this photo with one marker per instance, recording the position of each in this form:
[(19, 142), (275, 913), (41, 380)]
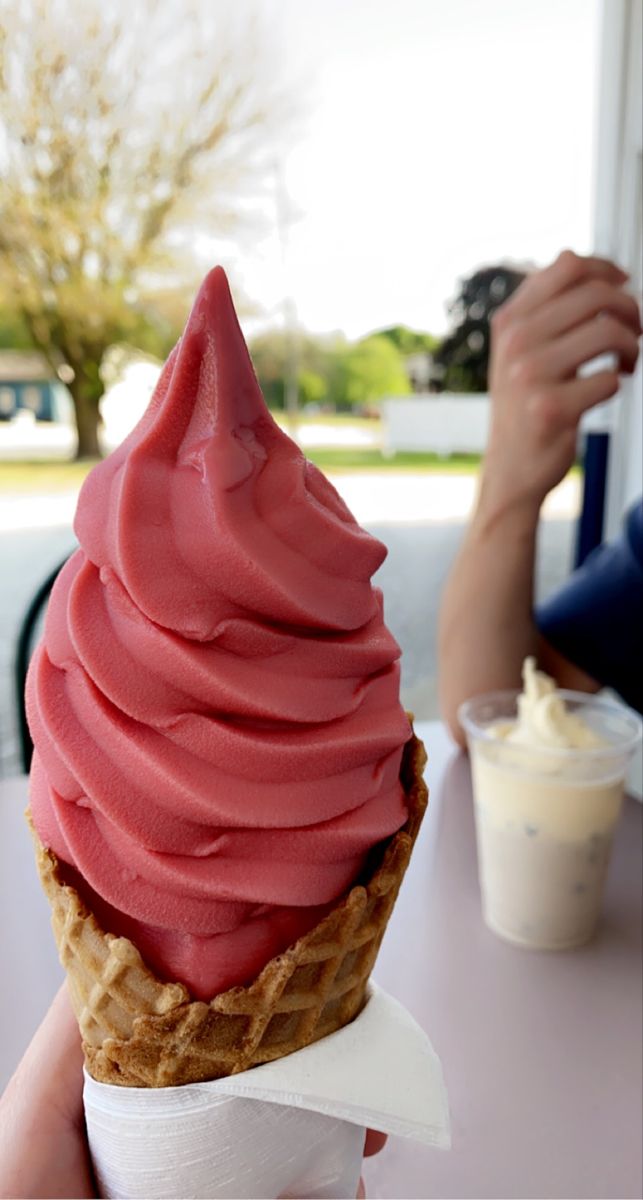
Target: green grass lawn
[(46, 475), (30, 477), (354, 459)]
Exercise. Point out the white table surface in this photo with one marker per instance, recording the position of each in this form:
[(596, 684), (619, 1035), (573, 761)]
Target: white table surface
[(541, 1052)]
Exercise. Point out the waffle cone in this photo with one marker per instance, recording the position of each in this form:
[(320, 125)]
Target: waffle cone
[(138, 1031)]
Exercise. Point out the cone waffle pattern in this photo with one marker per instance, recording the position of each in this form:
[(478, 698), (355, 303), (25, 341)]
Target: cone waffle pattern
[(140, 1032)]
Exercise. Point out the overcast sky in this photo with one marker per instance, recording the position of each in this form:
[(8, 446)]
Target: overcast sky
[(442, 135)]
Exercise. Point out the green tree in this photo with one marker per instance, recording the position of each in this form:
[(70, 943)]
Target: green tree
[(131, 133), (367, 371), (314, 355), (464, 353), (268, 353), (313, 388), (14, 334), (330, 370), (410, 341)]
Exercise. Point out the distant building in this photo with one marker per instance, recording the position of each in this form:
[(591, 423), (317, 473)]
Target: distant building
[(28, 385)]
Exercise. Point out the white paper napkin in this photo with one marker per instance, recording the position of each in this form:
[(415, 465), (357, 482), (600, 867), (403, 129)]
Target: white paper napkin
[(294, 1127)]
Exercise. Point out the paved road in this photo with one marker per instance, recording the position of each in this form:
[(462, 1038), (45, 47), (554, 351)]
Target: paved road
[(420, 518)]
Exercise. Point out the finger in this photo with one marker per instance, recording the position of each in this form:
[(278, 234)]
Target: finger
[(561, 408), (375, 1141), (568, 271), (584, 394), (563, 357), (578, 306), (361, 1190), (42, 1139), (68, 1076), (51, 1070)]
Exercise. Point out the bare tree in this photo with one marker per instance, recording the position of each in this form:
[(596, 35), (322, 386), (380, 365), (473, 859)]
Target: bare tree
[(130, 134)]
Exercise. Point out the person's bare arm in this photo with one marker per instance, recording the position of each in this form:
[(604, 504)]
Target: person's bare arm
[(559, 319)]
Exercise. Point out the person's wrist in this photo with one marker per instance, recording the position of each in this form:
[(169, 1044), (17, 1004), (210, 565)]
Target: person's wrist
[(501, 501)]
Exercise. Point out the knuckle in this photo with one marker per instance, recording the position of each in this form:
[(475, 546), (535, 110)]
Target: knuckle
[(500, 318), (569, 259), (569, 265), (545, 412), (515, 337), (525, 371)]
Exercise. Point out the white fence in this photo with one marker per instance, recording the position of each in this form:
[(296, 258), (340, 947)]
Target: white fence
[(444, 424)]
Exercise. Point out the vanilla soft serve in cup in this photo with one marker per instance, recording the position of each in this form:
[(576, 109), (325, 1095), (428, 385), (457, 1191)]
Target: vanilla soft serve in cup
[(548, 771)]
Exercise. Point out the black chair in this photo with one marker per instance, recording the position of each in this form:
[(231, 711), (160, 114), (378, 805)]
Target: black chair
[(24, 649)]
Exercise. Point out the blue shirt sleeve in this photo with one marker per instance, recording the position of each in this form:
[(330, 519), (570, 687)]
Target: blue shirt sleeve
[(596, 619)]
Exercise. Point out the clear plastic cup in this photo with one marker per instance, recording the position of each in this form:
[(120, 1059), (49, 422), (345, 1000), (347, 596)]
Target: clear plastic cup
[(545, 818)]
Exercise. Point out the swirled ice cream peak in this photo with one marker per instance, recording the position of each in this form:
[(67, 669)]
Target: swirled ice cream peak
[(544, 718), (215, 702)]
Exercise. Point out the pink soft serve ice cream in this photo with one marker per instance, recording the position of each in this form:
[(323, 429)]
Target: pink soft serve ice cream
[(215, 701)]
